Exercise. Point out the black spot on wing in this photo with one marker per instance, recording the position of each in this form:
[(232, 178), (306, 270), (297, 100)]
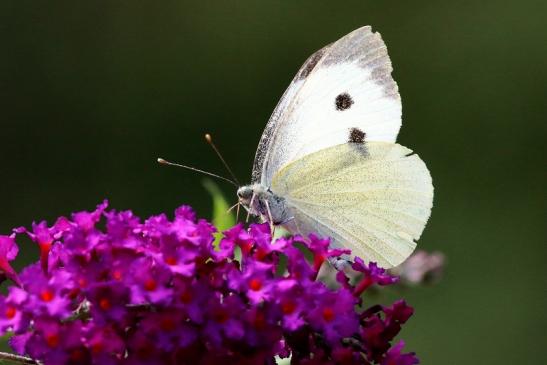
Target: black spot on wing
[(356, 136), (343, 101)]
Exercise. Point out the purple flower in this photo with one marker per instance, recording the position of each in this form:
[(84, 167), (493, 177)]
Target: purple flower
[(224, 320), (105, 344), (119, 227), (297, 265), (142, 349), (8, 252), (86, 221), (234, 237), (170, 330), (56, 343), (254, 280), (321, 251), (394, 356), (12, 317), (47, 296), (175, 258), (150, 283), (110, 288), (373, 274), (263, 245), (191, 297), (18, 342), (108, 302), (289, 298), (44, 236), (398, 312), (185, 212), (334, 314)]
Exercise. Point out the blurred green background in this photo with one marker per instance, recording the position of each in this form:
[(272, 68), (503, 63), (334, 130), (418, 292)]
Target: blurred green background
[(93, 92)]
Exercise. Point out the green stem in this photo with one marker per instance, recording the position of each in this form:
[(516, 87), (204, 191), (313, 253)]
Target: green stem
[(16, 359)]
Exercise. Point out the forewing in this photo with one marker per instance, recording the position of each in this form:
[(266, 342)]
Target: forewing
[(374, 199), (343, 87), (280, 111)]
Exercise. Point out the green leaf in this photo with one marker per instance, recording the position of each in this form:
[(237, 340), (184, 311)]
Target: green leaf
[(4, 347), (221, 218)]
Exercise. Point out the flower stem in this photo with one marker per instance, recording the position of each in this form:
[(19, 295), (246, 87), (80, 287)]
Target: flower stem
[(16, 359)]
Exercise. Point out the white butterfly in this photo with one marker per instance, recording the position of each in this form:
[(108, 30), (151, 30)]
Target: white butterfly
[(328, 163)]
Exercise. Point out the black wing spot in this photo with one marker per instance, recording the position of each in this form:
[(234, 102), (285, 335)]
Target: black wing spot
[(343, 101), (356, 136)]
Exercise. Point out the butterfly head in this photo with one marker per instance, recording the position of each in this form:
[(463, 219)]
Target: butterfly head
[(260, 201), (245, 194)]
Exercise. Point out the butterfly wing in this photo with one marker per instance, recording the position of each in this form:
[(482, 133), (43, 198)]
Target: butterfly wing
[(344, 86), (373, 198)]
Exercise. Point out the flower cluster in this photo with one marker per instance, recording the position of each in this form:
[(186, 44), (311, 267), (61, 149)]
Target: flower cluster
[(111, 289)]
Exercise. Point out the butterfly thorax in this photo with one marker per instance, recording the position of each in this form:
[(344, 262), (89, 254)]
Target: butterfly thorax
[(260, 201)]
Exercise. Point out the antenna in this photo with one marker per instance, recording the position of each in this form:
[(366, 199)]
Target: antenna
[(210, 141), (161, 161)]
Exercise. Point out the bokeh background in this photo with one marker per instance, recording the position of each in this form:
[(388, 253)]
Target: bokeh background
[(92, 92)]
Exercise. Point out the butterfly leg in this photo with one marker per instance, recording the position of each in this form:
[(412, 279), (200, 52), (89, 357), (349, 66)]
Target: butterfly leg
[(270, 219), (232, 207), (250, 207), (237, 213), (237, 205)]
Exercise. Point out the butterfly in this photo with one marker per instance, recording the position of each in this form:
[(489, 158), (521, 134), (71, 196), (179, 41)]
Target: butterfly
[(327, 161)]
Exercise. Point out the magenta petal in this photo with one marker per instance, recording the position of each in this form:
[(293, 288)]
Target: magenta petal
[(124, 291)]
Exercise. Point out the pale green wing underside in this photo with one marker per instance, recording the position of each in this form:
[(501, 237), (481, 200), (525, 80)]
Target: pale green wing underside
[(374, 198)]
